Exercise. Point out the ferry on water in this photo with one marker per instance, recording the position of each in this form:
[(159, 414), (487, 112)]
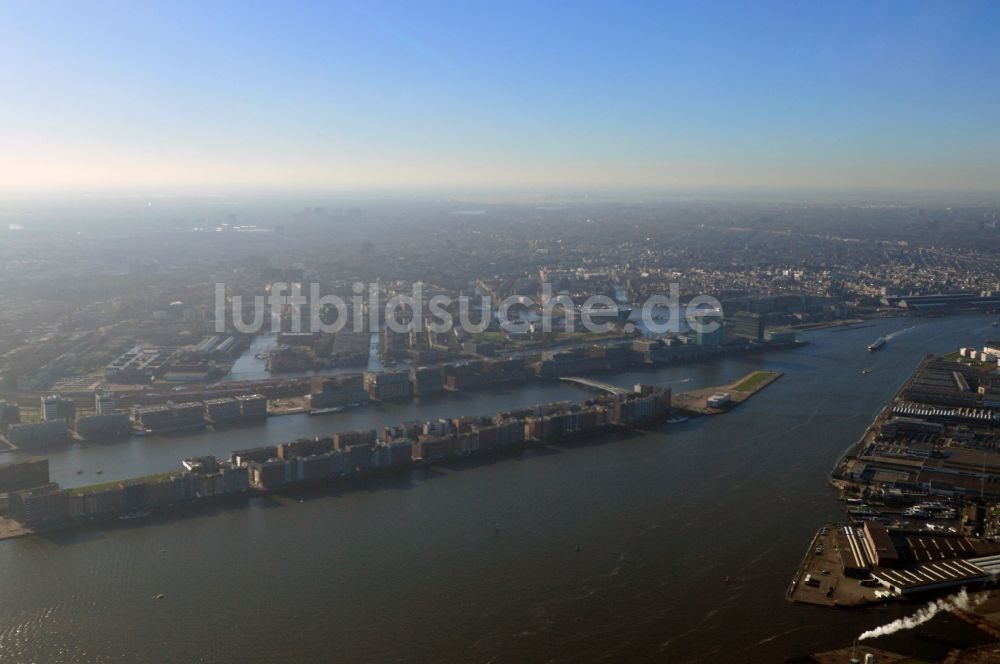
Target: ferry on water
[(335, 409), (326, 411), (877, 344)]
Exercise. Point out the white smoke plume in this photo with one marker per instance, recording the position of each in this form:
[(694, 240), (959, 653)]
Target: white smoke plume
[(960, 600)]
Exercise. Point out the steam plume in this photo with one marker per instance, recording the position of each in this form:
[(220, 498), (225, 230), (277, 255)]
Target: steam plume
[(960, 600)]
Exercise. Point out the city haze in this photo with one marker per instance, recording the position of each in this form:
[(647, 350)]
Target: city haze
[(392, 95), (539, 332)]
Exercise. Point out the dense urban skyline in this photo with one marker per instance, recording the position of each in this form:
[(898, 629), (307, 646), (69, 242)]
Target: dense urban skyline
[(384, 95)]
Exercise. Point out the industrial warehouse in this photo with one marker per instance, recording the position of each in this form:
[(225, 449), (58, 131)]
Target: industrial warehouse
[(919, 488), (938, 435), (852, 565)]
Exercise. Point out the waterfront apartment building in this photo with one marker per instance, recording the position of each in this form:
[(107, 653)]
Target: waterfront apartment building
[(433, 448), (340, 391), (50, 505), (104, 403), (305, 447), (427, 380), (252, 406), (640, 408), (705, 338), (749, 326), (26, 474), (384, 386), (10, 413), (38, 434), (220, 411), (108, 426), (345, 439), (39, 505), (170, 416), (55, 407)]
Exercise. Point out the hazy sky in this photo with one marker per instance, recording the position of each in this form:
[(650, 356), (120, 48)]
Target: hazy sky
[(370, 94)]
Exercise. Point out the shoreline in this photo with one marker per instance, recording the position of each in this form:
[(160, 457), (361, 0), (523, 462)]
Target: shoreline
[(246, 486), (13, 529), (881, 518), (295, 405)]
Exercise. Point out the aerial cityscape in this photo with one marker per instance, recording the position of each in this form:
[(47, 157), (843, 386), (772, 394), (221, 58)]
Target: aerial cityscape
[(500, 333)]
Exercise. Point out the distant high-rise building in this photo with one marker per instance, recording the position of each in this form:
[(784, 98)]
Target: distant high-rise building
[(702, 337), (749, 326), (55, 407), (104, 403), (50, 407), (10, 413)]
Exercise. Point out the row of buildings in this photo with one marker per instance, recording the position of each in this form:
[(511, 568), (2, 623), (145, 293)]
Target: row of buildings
[(356, 389), (348, 453), (49, 505), (34, 501), (189, 414), (59, 418), (481, 373)]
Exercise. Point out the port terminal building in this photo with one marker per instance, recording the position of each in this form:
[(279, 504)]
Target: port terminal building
[(915, 562)]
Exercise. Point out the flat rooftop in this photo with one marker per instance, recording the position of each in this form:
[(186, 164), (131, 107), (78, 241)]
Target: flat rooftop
[(930, 576)]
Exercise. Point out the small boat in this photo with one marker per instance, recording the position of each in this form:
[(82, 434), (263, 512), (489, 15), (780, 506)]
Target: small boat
[(995, 324), (160, 596), (877, 344), (79, 472), (100, 472), (866, 371), (132, 515), (677, 420)]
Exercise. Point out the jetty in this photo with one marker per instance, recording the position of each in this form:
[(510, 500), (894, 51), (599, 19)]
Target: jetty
[(722, 398)]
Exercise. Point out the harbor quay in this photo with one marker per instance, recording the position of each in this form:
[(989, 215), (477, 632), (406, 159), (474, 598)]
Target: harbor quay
[(921, 490), (34, 504), (720, 399)]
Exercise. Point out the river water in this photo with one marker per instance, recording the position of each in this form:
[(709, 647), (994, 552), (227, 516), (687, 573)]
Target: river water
[(615, 549)]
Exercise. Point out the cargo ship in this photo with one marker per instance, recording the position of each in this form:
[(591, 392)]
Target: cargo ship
[(877, 344)]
